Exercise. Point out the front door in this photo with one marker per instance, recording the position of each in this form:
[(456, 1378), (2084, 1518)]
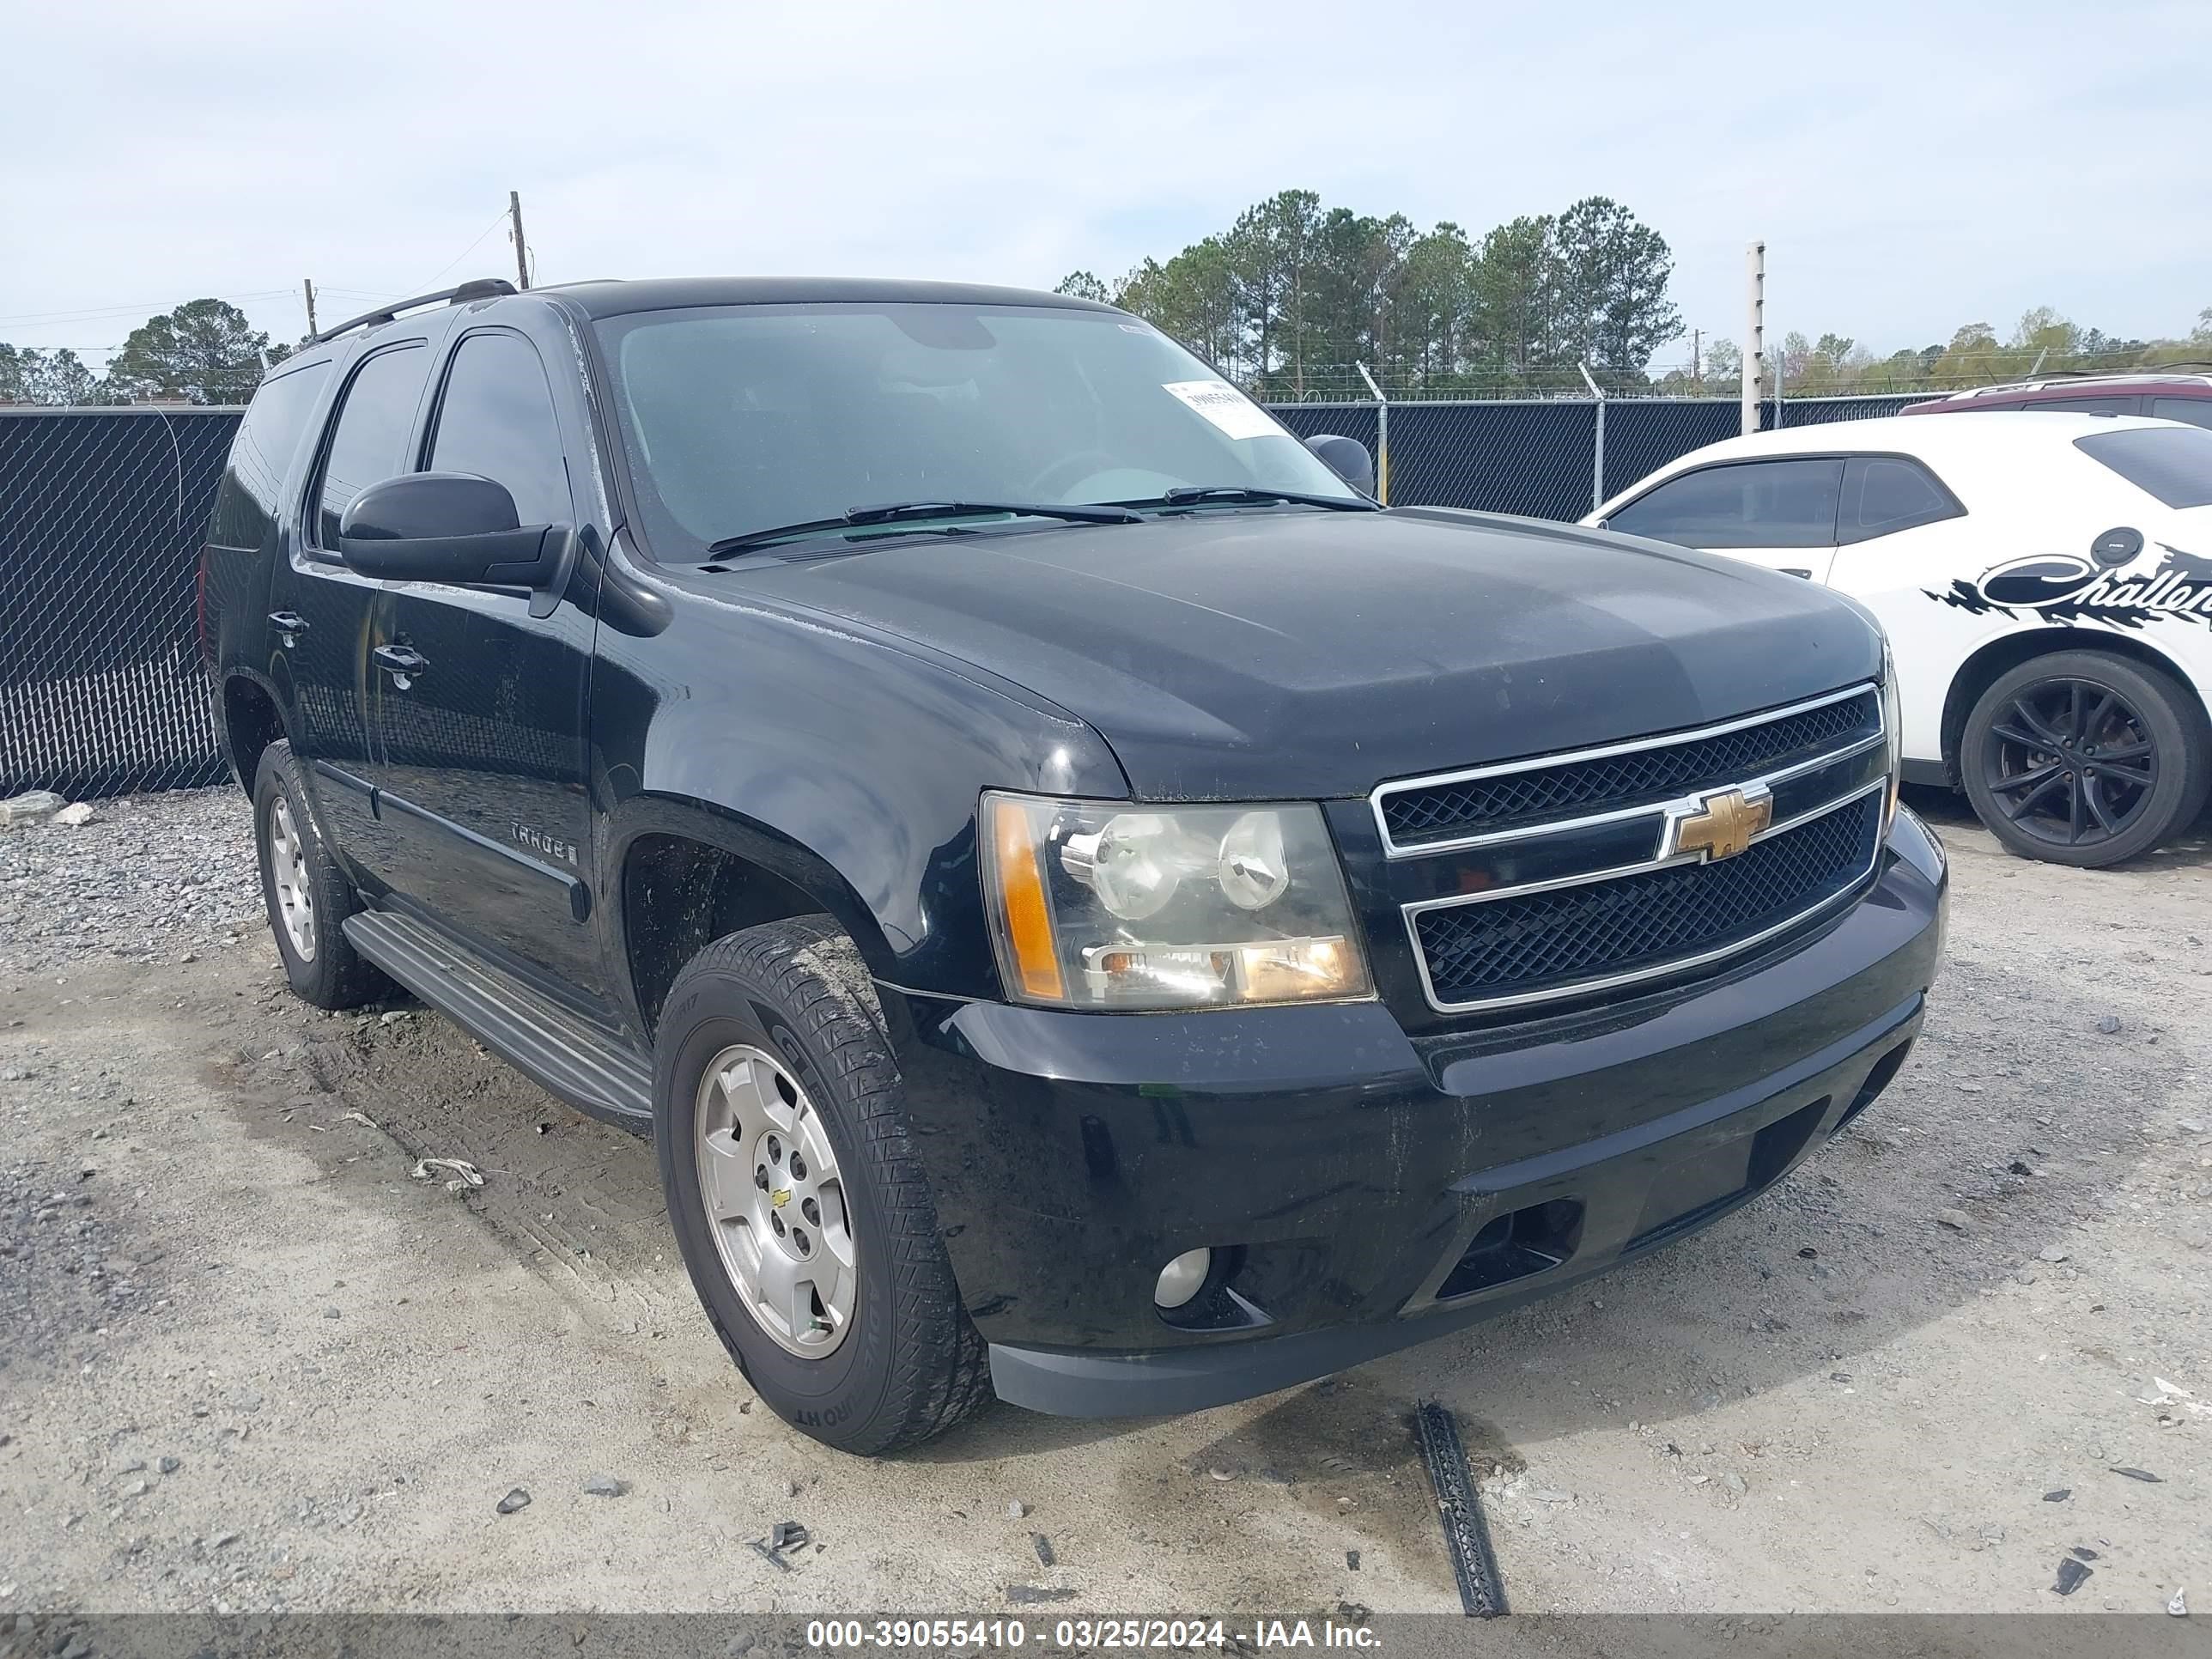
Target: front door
[(479, 706)]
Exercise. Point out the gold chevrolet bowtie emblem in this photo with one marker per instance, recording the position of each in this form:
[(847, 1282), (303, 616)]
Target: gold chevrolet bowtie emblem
[(779, 1197), (1721, 825)]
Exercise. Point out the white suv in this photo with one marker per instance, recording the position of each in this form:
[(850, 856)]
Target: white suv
[(2046, 584)]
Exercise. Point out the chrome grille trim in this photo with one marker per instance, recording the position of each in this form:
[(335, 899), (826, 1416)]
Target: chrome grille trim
[(1652, 970), (1392, 848)]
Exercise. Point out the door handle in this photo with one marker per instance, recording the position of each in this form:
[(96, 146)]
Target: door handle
[(1792, 570), (290, 624), (402, 662)]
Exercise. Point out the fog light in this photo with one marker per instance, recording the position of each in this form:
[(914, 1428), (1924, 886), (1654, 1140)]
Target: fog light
[(1183, 1278)]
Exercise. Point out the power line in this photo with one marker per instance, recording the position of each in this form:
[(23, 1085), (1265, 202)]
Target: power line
[(93, 313), (498, 219)]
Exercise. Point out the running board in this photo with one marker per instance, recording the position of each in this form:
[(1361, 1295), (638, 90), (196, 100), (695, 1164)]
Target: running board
[(592, 1070)]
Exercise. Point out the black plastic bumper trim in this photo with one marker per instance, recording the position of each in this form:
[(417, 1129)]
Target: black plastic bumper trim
[(1066, 1383)]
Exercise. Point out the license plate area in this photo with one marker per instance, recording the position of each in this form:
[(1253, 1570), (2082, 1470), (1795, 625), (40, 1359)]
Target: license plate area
[(1687, 1189)]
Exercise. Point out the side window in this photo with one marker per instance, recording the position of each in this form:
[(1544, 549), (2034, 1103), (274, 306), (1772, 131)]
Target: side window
[(1742, 504), (2197, 411), (495, 419), (2088, 406), (370, 442), (1884, 493), (261, 454)]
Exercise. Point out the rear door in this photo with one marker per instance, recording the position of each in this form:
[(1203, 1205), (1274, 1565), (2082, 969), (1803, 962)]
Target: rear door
[(478, 713), (320, 612), (1780, 513)]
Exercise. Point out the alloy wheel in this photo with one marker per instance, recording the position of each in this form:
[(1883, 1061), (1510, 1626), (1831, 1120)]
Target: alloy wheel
[(776, 1201), (2071, 763), (288, 869)]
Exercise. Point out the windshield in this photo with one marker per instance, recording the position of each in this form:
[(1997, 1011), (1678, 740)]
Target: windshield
[(737, 419)]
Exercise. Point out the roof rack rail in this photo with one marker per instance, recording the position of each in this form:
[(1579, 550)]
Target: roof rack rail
[(2131, 371), (484, 288)]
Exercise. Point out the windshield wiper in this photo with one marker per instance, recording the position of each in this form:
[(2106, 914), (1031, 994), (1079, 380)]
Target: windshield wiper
[(892, 513), (1234, 495)]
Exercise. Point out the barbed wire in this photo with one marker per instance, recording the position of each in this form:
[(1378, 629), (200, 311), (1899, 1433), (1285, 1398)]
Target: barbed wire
[(1797, 377)]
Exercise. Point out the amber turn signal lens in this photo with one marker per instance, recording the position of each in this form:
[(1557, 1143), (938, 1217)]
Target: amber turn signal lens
[(1021, 882)]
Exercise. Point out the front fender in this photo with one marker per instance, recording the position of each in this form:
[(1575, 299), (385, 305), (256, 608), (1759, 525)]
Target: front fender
[(844, 762)]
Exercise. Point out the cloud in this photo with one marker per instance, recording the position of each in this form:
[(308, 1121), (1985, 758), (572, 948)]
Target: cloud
[(1910, 166)]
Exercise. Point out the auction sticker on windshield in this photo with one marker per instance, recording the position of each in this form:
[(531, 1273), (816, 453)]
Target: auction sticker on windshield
[(1226, 406)]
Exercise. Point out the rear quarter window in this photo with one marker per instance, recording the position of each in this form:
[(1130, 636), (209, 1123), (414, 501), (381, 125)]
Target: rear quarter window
[(267, 443), (2196, 411), (2171, 463), (1885, 493), (2085, 405)]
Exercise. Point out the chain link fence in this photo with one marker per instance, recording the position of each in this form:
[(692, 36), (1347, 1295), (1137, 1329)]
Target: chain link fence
[(103, 513), (1548, 458), (102, 516)]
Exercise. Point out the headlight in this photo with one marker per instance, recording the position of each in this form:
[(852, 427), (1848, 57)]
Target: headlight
[(1099, 905), (1893, 724)]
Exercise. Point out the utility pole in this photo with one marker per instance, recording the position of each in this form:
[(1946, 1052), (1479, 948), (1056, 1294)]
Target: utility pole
[(308, 287), (1697, 372), (521, 248), (1754, 332)]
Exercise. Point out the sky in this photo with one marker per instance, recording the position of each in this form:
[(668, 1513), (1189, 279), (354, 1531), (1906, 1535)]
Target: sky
[(1910, 167)]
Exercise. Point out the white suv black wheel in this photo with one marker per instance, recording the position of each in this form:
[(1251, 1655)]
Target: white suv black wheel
[(2084, 757)]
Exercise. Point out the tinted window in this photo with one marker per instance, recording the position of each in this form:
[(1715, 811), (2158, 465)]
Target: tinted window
[(2086, 406), (370, 444), (2197, 411), (268, 438), (1884, 493), (1742, 504), (497, 420), (2173, 463)]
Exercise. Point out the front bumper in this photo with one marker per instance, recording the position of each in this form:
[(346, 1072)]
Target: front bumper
[(1363, 1189)]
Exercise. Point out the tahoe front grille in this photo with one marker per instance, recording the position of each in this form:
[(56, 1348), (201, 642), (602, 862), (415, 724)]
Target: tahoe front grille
[(1569, 875), (1592, 932), (1428, 813)]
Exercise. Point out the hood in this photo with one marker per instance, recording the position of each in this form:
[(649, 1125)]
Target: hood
[(1284, 654)]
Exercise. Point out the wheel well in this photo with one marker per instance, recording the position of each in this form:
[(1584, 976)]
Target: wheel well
[(251, 724), (680, 894), (2000, 656)]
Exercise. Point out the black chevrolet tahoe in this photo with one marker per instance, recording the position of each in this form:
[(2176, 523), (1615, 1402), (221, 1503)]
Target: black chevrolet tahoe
[(1089, 906)]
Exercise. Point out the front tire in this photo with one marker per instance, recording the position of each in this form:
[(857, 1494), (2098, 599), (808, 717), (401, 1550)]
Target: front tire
[(798, 1204), (2085, 759), (307, 895)]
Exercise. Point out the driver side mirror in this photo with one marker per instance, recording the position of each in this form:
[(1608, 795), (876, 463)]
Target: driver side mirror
[(1347, 458), (447, 527)]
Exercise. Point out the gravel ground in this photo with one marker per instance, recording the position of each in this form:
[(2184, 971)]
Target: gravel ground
[(250, 1361), (152, 877)]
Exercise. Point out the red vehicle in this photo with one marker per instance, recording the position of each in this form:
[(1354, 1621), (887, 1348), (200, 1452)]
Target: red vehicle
[(2168, 394)]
